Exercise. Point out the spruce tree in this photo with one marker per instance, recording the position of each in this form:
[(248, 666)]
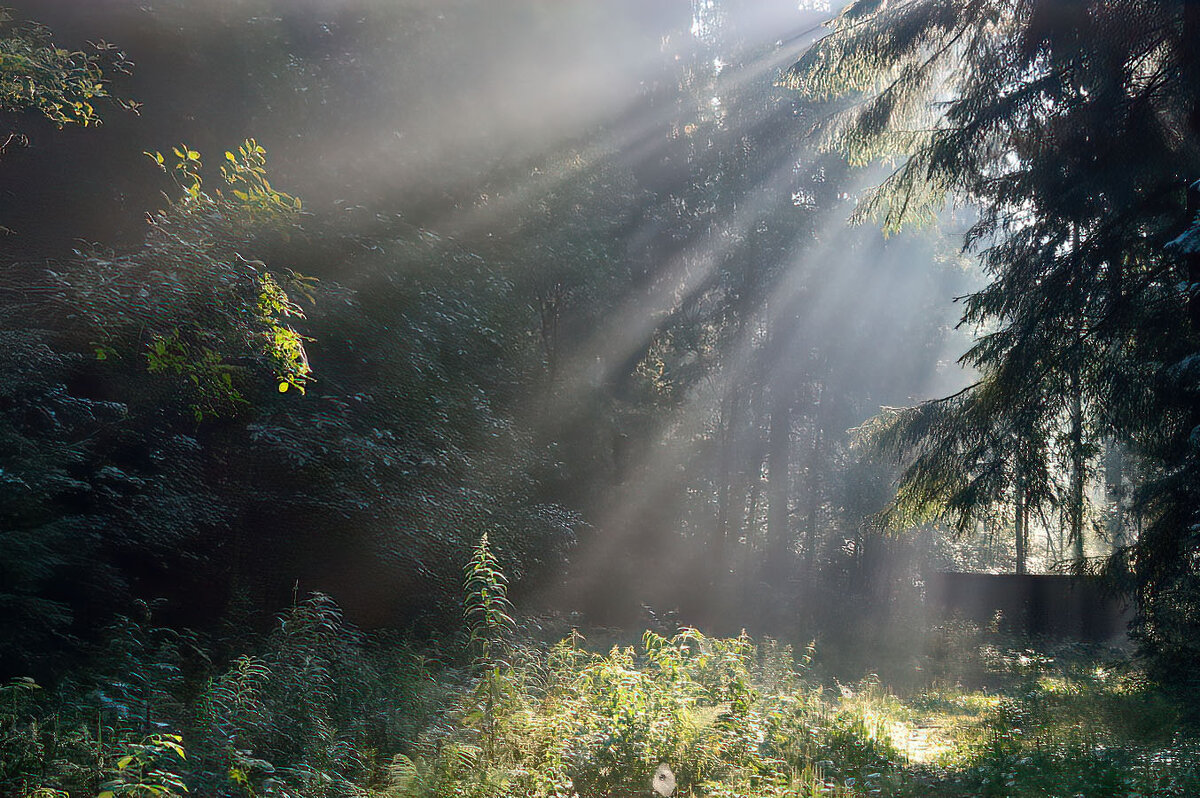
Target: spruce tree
[(1072, 128)]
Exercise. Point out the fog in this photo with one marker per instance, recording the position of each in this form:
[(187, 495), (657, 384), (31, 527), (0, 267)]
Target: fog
[(520, 397), (643, 187)]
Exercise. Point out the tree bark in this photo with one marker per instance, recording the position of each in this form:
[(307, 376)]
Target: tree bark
[(719, 545), (1077, 453), (778, 448), (813, 499), (1021, 522)]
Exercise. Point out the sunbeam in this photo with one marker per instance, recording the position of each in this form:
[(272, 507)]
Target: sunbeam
[(739, 398)]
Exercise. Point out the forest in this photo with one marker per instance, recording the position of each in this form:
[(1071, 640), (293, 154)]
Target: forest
[(699, 398)]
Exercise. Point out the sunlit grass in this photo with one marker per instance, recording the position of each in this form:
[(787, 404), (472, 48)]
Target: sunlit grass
[(731, 717), (1051, 720)]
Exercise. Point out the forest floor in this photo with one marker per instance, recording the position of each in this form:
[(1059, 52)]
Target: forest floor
[(1041, 719), (320, 711)]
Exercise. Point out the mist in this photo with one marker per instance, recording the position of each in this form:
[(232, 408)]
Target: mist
[(650, 200), (409, 398)]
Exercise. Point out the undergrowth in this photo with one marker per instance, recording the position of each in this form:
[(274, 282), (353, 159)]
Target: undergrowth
[(317, 709)]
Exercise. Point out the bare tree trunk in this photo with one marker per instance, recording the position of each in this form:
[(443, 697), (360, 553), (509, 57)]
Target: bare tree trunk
[(1021, 522), (813, 500), (748, 564), (719, 549), (778, 446), (549, 306), (1077, 453), (1191, 73), (1078, 468)]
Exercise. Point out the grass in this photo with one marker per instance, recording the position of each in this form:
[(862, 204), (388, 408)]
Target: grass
[(1055, 721), (318, 711)]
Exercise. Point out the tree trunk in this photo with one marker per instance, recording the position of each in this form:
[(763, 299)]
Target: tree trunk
[(1192, 259), (778, 472), (813, 499), (1078, 465), (719, 545), (549, 304), (1021, 522), (748, 564), (1078, 454), (1191, 59)]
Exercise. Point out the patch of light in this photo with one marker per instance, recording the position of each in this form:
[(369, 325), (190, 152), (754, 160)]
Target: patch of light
[(814, 5), (803, 199), (704, 19)]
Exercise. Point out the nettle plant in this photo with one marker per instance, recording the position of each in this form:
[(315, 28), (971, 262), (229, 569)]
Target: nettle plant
[(722, 715), (488, 613), (148, 770), (593, 725), (684, 701), (487, 610)]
